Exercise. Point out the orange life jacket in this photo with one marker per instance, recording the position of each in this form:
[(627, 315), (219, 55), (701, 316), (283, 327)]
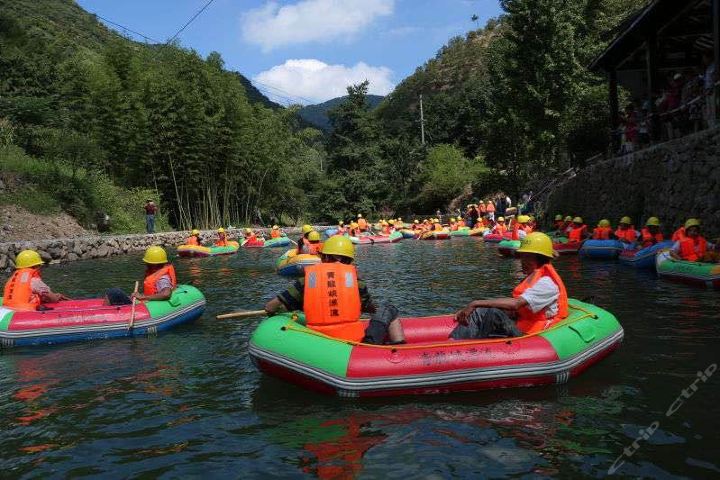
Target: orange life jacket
[(648, 239), (437, 227), (221, 241), (461, 224), (500, 229), (602, 233), (628, 235), (18, 293), (490, 207), (453, 227), (529, 322), (692, 249), (362, 224), (331, 301), (577, 233), (275, 234), (192, 240), (481, 208), (559, 225), (386, 230), (151, 280), (312, 248), (678, 235)]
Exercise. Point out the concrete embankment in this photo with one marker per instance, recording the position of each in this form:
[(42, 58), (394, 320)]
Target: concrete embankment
[(673, 181), (61, 250)]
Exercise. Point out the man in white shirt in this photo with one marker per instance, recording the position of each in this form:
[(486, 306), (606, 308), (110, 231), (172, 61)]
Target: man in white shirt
[(536, 304)]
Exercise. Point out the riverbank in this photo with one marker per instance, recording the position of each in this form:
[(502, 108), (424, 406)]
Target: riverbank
[(60, 250)]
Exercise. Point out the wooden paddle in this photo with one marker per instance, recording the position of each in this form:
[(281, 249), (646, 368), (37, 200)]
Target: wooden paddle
[(245, 314), (132, 309)]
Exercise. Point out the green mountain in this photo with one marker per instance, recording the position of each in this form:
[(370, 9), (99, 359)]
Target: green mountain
[(317, 115)]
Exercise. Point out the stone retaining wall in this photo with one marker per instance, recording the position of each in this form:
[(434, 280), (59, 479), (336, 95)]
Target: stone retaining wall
[(673, 181), (70, 249)]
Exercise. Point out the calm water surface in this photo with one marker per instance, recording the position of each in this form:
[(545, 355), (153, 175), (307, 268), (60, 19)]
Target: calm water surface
[(189, 403)]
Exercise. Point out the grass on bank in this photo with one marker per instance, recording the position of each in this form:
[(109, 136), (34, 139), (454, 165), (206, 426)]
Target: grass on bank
[(45, 188)]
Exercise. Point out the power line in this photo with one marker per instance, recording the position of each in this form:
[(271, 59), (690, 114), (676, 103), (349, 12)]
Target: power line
[(291, 96), (192, 19), (106, 20)]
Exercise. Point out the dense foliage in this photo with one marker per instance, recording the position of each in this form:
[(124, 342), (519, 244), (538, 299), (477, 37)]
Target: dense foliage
[(158, 117)]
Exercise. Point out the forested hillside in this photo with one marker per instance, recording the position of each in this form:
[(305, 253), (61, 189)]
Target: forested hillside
[(317, 115), (87, 103)]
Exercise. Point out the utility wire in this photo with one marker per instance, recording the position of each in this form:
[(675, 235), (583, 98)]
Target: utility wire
[(192, 19), (106, 20)]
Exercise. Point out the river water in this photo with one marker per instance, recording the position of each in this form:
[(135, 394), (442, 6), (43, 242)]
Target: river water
[(189, 403)]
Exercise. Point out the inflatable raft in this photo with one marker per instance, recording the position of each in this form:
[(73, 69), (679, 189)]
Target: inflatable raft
[(431, 363), (436, 235), (292, 264), (461, 232), (602, 249), (257, 242), (496, 237), (77, 320), (330, 232), (692, 273), (277, 242), (478, 232), (507, 248), (567, 248), (407, 233), (373, 239), (200, 251), (643, 258)]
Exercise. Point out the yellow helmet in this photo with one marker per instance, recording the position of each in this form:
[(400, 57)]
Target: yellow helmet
[(248, 230), (523, 219), (275, 227), (568, 218), (155, 255), (338, 245), (577, 220), (452, 219), (692, 222), (626, 220), (652, 222), (221, 230), (604, 223), (537, 242), (435, 220), (359, 215), (340, 222), (501, 219), (306, 229), (27, 259), (399, 219), (314, 236), (195, 232), (416, 221), (558, 217)]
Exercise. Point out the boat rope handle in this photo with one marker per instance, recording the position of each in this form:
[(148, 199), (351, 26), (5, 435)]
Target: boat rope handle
[(293, 319)]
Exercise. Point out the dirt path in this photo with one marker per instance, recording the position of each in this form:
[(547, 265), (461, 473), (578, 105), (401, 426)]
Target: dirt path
[(18, 224)]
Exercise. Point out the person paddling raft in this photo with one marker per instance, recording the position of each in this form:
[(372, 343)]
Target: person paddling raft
[(651, 235), (158, 284), (194, 238), (362, 223), (626, 232), (25, 290), (578, 230), (537, 303), (221, 240), (305, 230), (313, 245), (332, 298), (603, 231), (693, 247), (275, 232)]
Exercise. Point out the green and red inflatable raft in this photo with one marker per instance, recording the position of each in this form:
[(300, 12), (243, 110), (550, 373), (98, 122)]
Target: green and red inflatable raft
[(77, 320), (691, 273), (431, 363)]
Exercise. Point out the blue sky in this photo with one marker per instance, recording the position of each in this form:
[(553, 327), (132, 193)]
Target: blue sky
[(307, 51)]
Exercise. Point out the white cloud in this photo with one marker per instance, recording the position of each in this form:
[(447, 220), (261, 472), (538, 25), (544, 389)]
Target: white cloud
[(272, 25), (317, 81)]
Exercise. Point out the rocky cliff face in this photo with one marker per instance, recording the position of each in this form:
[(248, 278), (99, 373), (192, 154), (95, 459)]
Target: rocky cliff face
[(673, 181)]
